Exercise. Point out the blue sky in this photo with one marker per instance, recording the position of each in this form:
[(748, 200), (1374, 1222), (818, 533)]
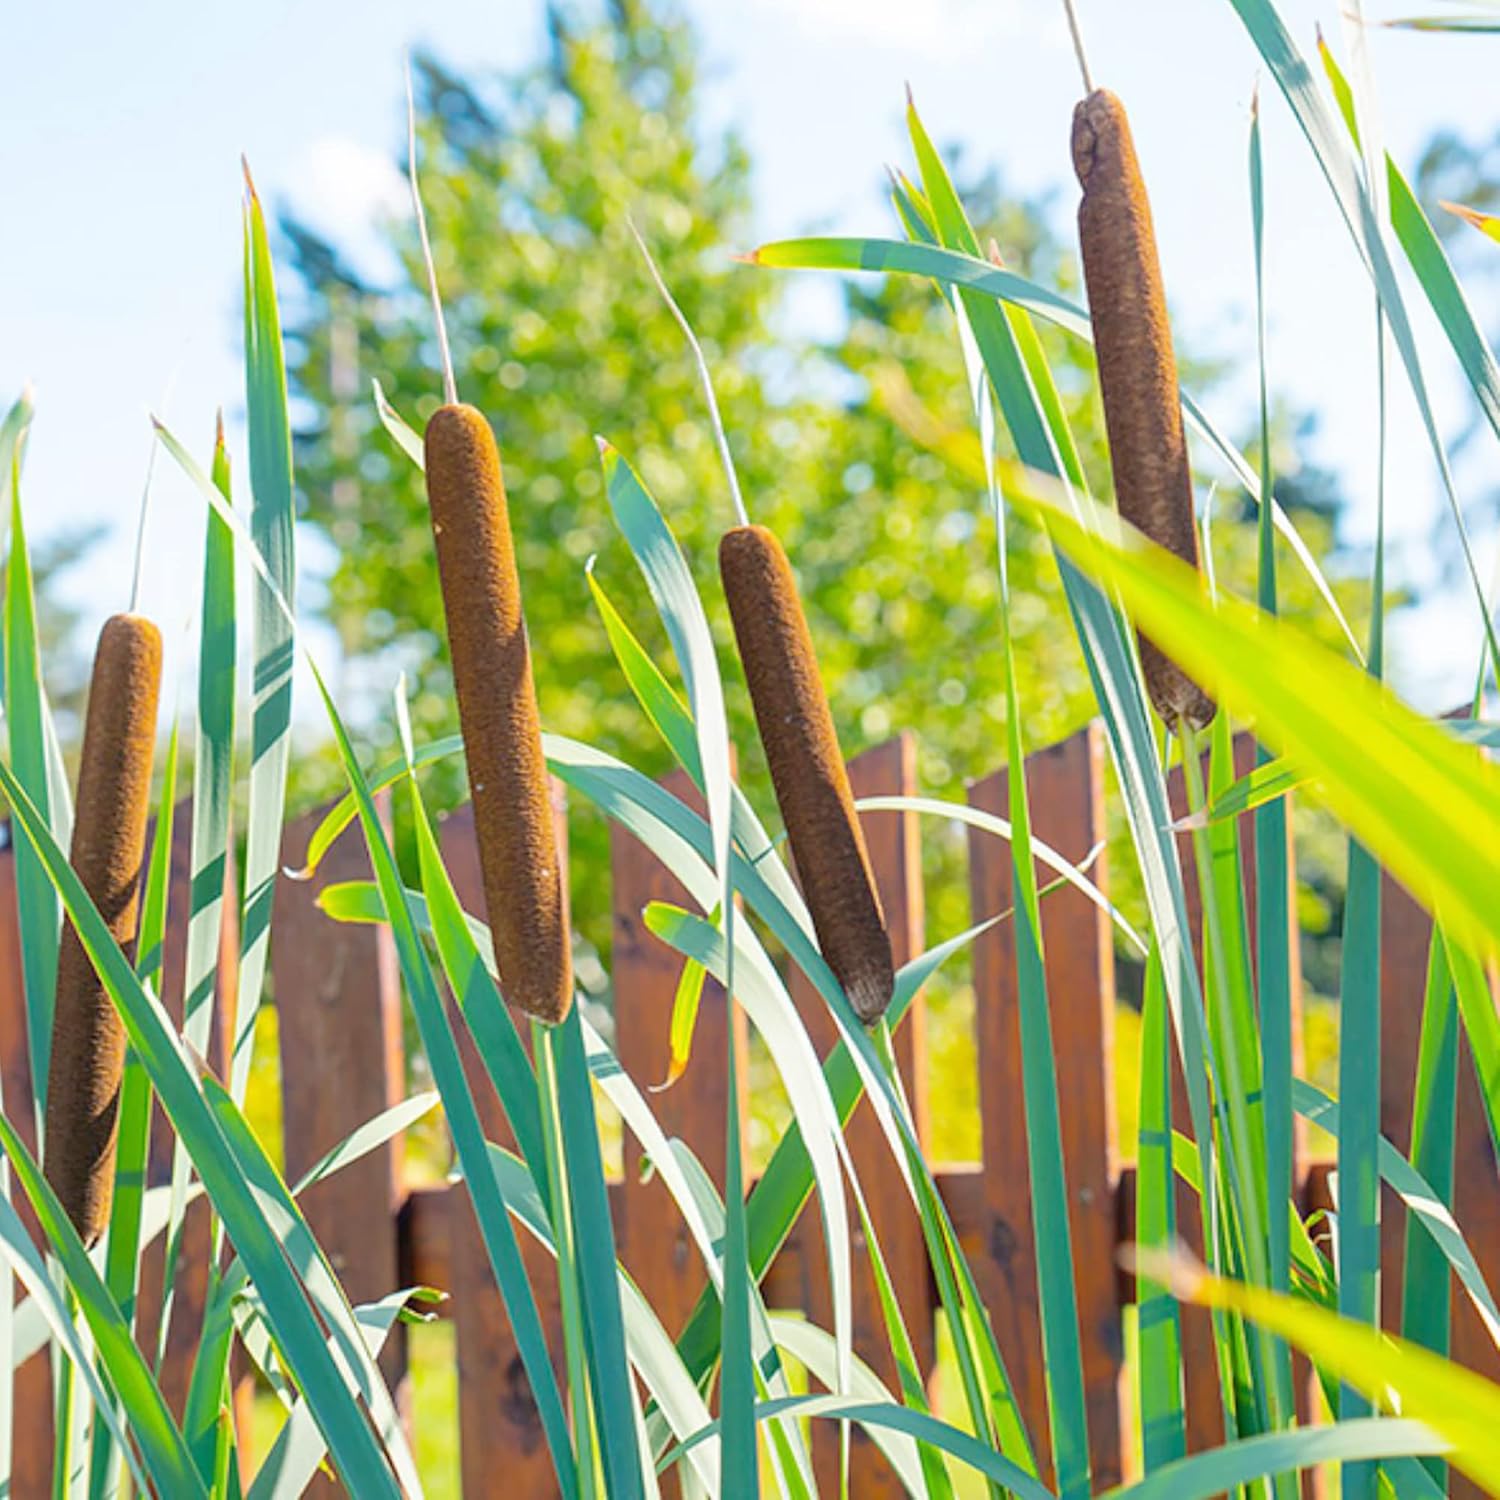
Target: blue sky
[(124, 126)]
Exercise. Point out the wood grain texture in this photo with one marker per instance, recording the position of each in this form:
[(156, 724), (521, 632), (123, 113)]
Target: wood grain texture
[(892, 839), (1065, 784), (497, 1413), (338, 1008), (191, 1289)]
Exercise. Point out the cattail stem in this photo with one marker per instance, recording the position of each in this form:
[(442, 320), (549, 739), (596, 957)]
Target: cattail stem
[(807, 767), (1137, 366), (721, 438), (109, 842), (1076, 31), (513, 823), (450, 383)]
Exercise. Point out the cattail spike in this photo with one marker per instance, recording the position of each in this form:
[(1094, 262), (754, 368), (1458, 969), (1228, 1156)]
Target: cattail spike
[(513, 822), (807, 767), (1137, 366), (109, 843)]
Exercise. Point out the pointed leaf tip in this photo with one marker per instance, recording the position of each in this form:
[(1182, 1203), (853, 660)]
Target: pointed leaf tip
[(1486, 224), (249, 180), (745, 257)]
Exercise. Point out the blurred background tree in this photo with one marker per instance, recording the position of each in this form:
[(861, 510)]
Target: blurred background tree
[(856, 448)]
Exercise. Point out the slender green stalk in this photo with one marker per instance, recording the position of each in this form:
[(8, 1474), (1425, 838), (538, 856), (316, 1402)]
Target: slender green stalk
[(580, 1402)]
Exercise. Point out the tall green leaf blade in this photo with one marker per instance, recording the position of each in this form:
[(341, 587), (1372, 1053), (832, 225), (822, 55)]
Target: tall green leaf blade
[(272, 641), (39, 914), (595, 1241), (213, 760), (1159, 1329), (1272, 873), (1434, 1130), (1481, 1025)]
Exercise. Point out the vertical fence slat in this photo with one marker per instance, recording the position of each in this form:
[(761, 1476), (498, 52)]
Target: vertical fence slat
[(1476, 1195), (496, 1411), (654, 1244), (31, 1428), (1202, 1398), (1406, 934), (1405, 937), (652, 1241), (1066, 792), (895, 855), (338, 1009)]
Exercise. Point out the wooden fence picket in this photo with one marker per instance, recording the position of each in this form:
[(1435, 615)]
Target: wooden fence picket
[(338, 1008), (1406, 932), (895, 857), (654, 1245), (496, 1412), (1065, 786)]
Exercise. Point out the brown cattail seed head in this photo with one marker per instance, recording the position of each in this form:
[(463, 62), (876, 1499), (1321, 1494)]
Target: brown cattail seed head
[(1137, 368), (807, 768), (524, 893), (109, 845)]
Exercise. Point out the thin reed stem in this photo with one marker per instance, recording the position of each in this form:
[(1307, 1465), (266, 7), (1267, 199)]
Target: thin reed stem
[(1077, 34), (708, 386), (450, 385)]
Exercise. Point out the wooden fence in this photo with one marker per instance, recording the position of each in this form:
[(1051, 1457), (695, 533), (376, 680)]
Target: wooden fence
[(337, 992)]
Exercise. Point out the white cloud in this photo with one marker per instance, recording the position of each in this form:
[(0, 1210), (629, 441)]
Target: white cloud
[(345, 187), (930, 29)]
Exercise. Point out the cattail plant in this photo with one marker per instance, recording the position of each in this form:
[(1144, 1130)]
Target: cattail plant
[(797, 733), (807, 766), (109, 840), (525, 898), (513, 822), (1137, 367)]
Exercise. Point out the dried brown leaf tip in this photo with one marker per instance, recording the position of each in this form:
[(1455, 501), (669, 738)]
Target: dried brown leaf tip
[(1137, 366), (525, 897), (109, 842), (807, 767)]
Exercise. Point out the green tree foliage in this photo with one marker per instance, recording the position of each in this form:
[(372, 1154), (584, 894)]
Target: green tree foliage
[(859, 451)]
